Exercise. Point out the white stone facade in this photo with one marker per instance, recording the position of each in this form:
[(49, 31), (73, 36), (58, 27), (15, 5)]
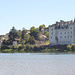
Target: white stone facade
[(62, 33)]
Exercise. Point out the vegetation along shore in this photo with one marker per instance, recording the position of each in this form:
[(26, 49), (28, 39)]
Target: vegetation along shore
[(33, 40)]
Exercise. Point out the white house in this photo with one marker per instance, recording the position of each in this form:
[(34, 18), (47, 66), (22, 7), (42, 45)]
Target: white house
[(14, 43), (62, 33), (45, 29)]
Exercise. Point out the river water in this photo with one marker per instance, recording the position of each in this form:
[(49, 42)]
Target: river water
[(37, 64)]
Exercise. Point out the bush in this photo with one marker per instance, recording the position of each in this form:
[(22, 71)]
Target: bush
[(73, 47), (69, 47)]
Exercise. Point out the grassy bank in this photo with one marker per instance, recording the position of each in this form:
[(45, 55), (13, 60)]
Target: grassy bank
[(36, 48)]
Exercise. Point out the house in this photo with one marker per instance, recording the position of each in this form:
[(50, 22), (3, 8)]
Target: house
[(44, 38), (62, 33), (45, 29), (14, 43)]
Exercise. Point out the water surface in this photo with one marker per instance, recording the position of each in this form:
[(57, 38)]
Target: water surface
[(37, 64)]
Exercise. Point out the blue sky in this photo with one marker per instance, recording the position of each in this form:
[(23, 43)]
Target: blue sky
[(28, 13)]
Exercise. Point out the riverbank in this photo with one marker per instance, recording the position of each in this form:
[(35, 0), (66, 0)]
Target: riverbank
[(37, 48)]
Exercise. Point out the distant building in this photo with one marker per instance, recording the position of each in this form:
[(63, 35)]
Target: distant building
[(45, 29), (62, 33), (14, 43), (44, 38), (28, 32)]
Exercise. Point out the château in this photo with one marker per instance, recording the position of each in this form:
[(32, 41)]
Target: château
[(62, 33)]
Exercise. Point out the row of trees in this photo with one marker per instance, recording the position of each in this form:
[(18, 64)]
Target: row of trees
[(22, 37)]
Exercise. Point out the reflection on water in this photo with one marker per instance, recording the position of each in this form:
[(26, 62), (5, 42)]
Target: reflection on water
[(37, 64)]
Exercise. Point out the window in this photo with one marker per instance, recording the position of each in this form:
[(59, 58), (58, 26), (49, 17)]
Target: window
[(71, 36), (71, 32), (51, 37), (61, 33), (65, 32), (68, 36), (70, 27), (65, 36)]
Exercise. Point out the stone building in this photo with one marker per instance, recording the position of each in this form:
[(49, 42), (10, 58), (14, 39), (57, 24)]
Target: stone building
[(14, 43), (62, 33), (45, 29)]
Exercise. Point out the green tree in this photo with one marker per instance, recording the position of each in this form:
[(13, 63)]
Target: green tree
[(23, 33), (6, 42), (34, 33), (41, 26), (19, 33), (73, 47), (32, 28), (69, 47), (31, 40), (13, 34)]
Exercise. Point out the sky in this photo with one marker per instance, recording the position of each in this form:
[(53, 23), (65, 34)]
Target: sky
[(28, 13)]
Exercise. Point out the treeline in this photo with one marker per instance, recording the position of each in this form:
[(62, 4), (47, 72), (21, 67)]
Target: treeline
[(35, 48), (25, 36)]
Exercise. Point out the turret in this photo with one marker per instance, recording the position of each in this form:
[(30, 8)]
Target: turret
[(74, 20)]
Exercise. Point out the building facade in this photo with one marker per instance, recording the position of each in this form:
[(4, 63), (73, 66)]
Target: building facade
[(62, 33)]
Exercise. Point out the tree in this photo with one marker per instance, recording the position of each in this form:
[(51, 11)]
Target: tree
[(32, 28), (34, 33), (13, 34), (31, 40), (73, 47), (7, 42), (19, 33), (69, 47), (24, 31), (41, 26)]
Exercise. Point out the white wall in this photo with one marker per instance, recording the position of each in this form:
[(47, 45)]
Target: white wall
[(65, 36)]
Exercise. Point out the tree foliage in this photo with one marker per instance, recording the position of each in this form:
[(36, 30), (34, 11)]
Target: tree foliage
[(13, 34), (46, 34), (23, 33), (34, 32), (31, 40), (41, 26)]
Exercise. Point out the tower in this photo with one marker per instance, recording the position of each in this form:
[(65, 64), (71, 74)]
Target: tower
[(74, 20)]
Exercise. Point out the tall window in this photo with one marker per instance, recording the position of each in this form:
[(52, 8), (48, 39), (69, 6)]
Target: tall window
[(65, 36), (65, 32), (51, 37), (68, 36), (70, 27), (71, 36)]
